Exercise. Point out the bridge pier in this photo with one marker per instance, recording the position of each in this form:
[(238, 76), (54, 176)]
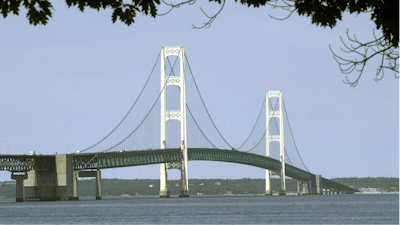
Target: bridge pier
[(318, 184), (98, 185), (268, 190), (299, 187), (97, 175), (283, 184), (305, 187), (75, 185), (56, 183), (164, 193), (19, 185), (315, 185)]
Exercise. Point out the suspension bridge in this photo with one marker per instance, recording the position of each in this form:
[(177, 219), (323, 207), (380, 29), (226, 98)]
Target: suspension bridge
[(161, 128)]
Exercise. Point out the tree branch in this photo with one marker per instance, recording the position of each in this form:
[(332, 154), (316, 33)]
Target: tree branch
[(379, 46), (210, 18), (286, 6), (190, 2)]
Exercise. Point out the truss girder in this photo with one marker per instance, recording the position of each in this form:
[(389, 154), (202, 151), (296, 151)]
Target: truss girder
[(25, 163), (136, 158)]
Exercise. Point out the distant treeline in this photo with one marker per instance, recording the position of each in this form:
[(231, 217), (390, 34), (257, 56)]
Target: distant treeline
[(118, 187), (381, 183)]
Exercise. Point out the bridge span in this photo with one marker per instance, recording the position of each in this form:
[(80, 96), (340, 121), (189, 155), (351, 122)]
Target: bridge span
[(54, 177)]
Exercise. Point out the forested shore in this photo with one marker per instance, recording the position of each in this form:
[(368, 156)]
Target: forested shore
[(147, 187)]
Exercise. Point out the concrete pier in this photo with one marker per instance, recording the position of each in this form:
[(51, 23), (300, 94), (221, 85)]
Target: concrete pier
[(53, 184), (183, 194), (165, 194), (75, 184), (97, 175), (19, 185), (299, 187), (305, 187), (57, 183), (98, 185), (318, 185)]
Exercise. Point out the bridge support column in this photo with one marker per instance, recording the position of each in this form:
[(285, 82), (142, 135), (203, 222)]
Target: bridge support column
[(305, 187), (55, 183), (299, 187), (164, 193), (19, 185), (318, 185), (268, 190), (98, 185), (279, 138), (283, 183), (177, 114), (75, 185), (184, 192), (97, 175)]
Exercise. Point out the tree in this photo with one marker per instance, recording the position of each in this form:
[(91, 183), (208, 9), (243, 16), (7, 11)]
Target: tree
[(324, 13)]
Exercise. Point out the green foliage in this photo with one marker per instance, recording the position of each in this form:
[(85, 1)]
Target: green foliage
[(383, 183), (7, 189), (118, 187), (385, 14), (39, 11), (325, 13)]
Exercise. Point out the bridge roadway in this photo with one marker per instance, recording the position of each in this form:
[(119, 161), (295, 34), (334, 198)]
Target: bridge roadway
[(147, 157), (84, 161)]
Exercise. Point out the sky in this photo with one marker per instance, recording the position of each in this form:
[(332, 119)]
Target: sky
[(65, 85)]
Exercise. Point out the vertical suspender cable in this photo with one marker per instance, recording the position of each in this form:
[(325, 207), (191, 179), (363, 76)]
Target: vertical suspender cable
[(205, 104), (129, 109), (265, 132), (293, 136), (259, 114)]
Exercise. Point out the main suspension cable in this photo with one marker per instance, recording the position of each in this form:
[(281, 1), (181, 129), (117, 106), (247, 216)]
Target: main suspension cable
[(293, 136), (165, 85), (187, 106), (199, 126), (259, 114), (265, 132), (151, 73), (205, 104)]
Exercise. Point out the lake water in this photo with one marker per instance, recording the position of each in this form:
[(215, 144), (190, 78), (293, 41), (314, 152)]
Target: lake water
[(290, 209)]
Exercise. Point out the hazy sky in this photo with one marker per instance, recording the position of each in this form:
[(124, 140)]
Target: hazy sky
[(65, 85)]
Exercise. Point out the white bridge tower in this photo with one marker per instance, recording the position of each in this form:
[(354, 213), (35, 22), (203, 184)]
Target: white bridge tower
[(279, 138), (180, 115)]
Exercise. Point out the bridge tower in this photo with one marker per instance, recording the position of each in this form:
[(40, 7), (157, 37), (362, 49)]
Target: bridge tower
[(279, 138), (180, 115)]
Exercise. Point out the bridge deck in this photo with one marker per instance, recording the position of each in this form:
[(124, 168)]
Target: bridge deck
[(135, 158), (23, 163)]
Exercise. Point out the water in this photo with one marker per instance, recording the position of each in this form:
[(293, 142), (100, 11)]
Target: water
[(311, 209)]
